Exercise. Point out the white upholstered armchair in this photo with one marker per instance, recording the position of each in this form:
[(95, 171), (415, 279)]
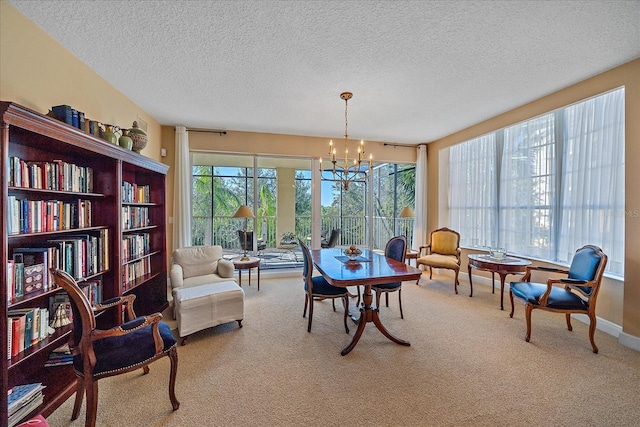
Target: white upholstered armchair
[(199, 265)]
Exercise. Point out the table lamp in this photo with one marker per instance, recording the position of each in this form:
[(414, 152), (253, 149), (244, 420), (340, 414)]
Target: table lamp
[(244, 212), (407, 212)]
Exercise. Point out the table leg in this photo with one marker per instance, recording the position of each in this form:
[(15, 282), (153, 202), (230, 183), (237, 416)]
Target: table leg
[(249, 276), (240, 277), (502, 277), (368, 314), (258, 277), (470, 280), (493, 282)]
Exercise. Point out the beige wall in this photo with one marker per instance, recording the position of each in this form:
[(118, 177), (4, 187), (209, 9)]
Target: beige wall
[(618, 302), (38, 73)]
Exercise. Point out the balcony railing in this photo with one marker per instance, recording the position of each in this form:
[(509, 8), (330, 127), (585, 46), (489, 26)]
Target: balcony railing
[(222, 230)]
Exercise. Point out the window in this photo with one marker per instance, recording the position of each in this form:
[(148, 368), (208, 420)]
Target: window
[(546, 186)]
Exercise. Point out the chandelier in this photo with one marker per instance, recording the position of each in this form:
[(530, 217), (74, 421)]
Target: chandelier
[(347, 171)]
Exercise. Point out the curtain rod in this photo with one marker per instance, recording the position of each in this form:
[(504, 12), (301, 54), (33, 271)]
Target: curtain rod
[(404, 145), (219, 132)]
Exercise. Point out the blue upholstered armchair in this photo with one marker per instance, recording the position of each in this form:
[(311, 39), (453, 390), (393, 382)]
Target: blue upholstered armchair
[(576, 294), (104, 353)]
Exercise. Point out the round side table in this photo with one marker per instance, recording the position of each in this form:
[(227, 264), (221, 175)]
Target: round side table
[(502, 266), (240, 265)]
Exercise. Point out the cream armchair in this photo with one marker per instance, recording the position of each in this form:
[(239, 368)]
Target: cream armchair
[(443, 251), (199, 265)]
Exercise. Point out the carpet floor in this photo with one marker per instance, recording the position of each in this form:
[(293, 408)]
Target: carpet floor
[(468, 365)]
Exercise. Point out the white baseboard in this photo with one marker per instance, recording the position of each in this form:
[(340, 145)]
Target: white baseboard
[(629, 341), (603, 325)]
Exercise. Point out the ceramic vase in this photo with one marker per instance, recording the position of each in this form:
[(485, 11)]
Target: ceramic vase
[(125, 140)]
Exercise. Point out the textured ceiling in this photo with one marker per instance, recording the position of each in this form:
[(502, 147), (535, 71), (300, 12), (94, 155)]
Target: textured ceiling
[(418, 70)]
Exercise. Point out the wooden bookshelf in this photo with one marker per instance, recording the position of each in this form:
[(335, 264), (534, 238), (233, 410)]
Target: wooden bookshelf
[(38, 139)]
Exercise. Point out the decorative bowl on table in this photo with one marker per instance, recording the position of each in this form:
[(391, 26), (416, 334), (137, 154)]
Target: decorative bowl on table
[(352, 252), (498, 253)]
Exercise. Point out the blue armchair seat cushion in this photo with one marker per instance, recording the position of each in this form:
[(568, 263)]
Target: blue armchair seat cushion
[(322, 287), (126, 351), (388, 286), (558, 299)]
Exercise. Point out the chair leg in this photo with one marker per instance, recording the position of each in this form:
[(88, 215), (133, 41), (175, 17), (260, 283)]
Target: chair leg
[(145, 369), (79, 396), (527, 310), (91, 388), (386, 298), (378, 292), (306, 302), (455, 283), (592, 331), (511, 299), (400, 302), (173, 356), (345, 303), (333, 303), (430, 272), (310, 315), (568, 317)]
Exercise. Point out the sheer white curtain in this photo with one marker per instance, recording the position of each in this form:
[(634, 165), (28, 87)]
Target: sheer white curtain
[(528, 188), (472, 191), (182, 191), (593, 184), (420, 219)]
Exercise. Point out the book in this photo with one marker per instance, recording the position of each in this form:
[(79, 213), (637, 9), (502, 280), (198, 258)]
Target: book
[(63, 113), (18, 282), (17, 333), (11, 277), (23, 399)]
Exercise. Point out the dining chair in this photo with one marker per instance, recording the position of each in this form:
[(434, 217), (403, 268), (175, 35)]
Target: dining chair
[(577, 293), (261, 245), (101, 353), (317, 288), (443, 251), (333, 239), (396, 249)]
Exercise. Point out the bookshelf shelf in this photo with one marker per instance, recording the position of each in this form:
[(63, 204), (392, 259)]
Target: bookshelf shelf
[(51, 342), (105, 181)]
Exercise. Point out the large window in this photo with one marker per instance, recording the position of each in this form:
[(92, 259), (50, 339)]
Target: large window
[(546, 186)]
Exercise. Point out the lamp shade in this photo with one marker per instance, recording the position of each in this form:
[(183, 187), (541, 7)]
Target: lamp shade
[(243, 212), (407, 212)]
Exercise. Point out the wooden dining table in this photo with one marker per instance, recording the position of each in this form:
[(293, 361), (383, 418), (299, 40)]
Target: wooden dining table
[(369, 269)]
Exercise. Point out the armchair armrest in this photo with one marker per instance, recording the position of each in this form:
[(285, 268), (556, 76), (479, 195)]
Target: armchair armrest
[(427, 247), (545, 296), (131, 326), (225, 268), (113, 302), (530, 268), (177, 276)]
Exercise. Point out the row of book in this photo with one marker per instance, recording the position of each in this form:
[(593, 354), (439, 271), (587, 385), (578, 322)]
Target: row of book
[(22, 400), (26, 327), (56, 175), (36, 216), (60, 356), (135, 217), (135, 246), (79, 255), (134, 193), (134, 270)]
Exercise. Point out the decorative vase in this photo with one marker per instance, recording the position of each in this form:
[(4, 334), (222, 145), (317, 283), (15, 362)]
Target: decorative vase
[(139, 138), (125, 140), (109, 135)]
